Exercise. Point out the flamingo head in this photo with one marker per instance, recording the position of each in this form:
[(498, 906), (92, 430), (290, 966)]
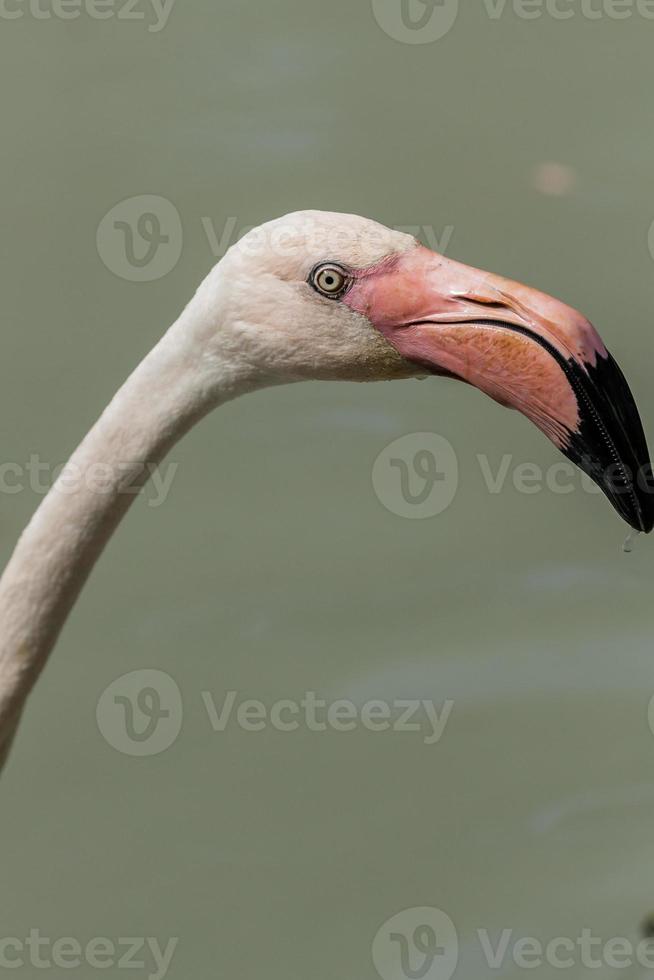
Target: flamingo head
[(331, 296)]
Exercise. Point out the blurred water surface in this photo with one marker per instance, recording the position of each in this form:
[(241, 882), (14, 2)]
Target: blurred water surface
[(272, 569)]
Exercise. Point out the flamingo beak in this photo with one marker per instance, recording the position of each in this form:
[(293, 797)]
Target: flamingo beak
[(527, 351)]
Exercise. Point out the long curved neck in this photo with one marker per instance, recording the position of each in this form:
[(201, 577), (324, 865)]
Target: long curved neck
[(181, 380)]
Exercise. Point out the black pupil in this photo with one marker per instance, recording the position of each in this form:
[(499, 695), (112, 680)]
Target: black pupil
[(328, 280)]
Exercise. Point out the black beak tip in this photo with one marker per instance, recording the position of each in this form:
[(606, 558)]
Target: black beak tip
[(636, 509), (644, 491), (609, 444)]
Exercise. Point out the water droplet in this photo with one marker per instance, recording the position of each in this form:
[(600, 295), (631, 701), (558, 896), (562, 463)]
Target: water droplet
[(630, 540)]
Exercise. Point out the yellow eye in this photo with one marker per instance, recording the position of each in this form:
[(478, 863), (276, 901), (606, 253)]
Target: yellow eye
[(330, 280)]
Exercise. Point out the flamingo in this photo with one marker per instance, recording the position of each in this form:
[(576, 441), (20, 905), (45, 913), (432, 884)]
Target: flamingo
[(318, 295)]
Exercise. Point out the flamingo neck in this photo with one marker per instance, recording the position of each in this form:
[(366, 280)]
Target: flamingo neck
[(187, 374)]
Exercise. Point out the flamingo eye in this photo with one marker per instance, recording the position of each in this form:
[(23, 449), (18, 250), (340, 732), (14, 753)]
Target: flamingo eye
[(330, 280)]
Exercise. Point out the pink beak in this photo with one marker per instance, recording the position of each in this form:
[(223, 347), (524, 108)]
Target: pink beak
[(524, 349)]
